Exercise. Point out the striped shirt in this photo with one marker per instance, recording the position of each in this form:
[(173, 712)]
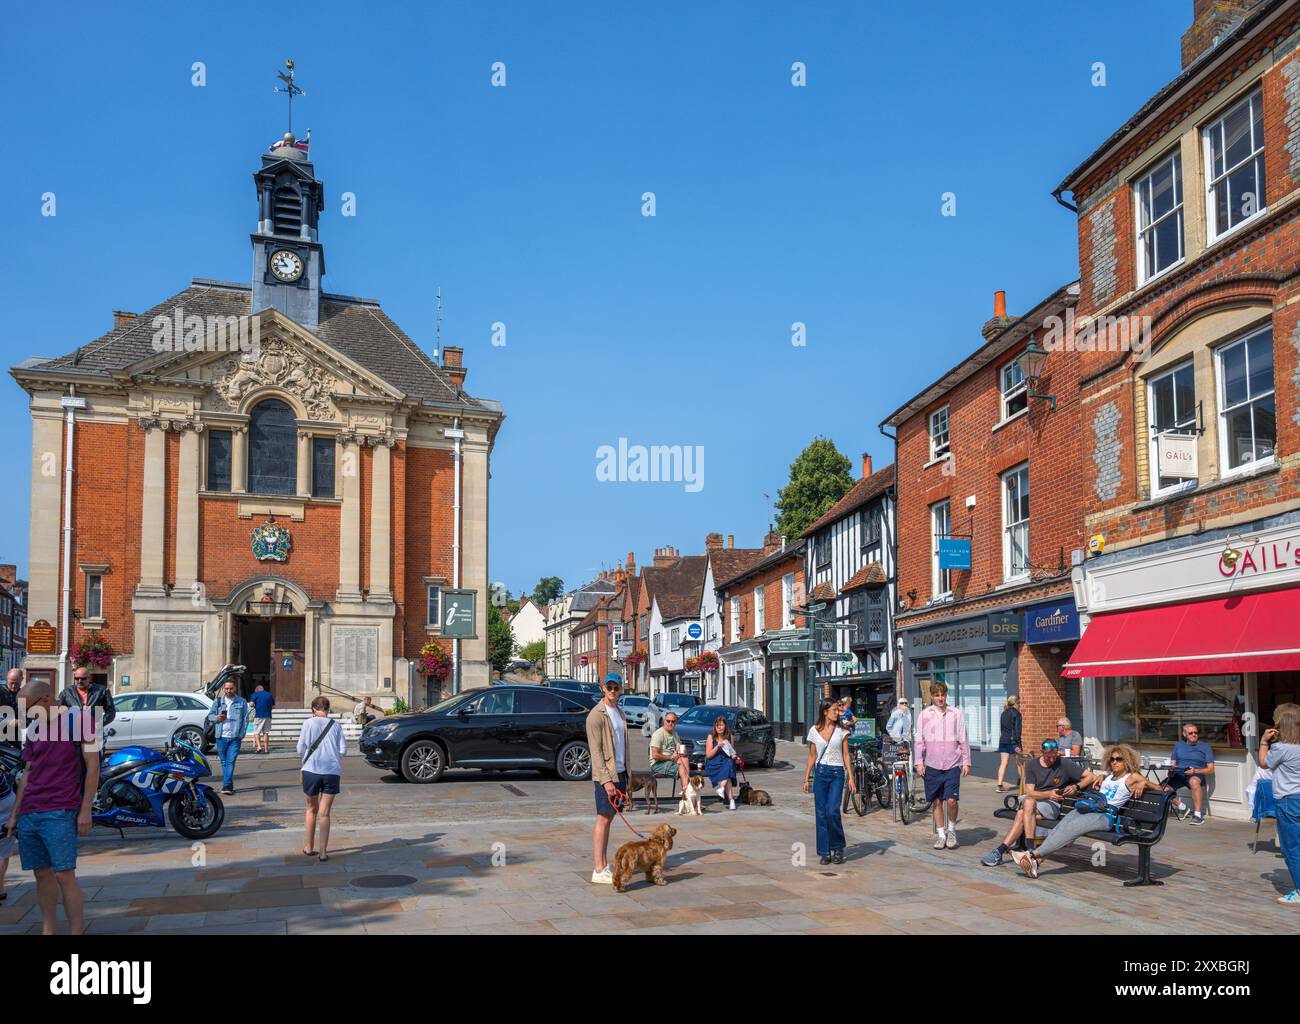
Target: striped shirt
[(941, 739)]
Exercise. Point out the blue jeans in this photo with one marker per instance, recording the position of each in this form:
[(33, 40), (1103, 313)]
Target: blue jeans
[(828, 795), (228, 751), (1288, 834)]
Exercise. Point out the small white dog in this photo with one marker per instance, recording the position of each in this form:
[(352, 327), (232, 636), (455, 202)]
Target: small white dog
[(690, 802)]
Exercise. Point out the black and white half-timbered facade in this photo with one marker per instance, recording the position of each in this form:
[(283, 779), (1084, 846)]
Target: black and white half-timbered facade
[(849, 568)]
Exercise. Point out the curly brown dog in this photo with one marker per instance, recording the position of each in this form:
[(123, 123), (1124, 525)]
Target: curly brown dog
[(758, 797), (646, 855)]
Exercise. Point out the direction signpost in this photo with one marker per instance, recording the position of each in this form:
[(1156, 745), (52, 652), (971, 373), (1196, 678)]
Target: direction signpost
[(795, 646)]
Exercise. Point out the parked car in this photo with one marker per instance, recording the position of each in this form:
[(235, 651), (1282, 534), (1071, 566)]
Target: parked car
[(751, 733), (520, 665), (641, 711), (154, 718), (575, 686), (502, 727), (677, 701)]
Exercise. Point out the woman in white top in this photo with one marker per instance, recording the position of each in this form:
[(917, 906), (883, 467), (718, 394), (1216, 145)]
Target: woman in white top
[(321, 747), (1123, 782), (828, 753)]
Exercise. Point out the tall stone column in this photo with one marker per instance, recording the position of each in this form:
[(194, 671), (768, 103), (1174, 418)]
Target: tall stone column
[(153, 510), (474, 557), (47, 511), (239, 459), (187, 512), (304, 464), (348, 469), (381, 517)]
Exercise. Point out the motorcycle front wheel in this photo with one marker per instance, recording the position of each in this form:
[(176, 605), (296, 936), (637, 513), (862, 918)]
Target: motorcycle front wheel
[(194, 821)]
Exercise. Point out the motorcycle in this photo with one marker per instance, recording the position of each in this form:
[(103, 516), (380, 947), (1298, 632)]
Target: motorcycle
[(140, 786)]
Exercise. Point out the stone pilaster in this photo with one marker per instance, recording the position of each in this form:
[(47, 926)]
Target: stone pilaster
[(47, 510), (381, 516), (304, 464), (153, 506), (187, 511), (348, 470), (239, 459)]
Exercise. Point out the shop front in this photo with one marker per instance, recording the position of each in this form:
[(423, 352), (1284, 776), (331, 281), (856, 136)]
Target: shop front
[(1200, 630), (977, 665), (741, 673), (788, 696), (873, 697)]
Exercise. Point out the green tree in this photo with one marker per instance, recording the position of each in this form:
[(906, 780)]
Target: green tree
[(501, 642), (819, 477), (533, 652), (548, 589)]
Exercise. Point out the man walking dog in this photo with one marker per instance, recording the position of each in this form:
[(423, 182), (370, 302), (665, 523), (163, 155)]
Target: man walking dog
[(607, 741)]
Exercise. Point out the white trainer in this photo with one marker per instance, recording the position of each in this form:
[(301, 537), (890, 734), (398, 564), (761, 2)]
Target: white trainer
[(940, 840), (605, 877)]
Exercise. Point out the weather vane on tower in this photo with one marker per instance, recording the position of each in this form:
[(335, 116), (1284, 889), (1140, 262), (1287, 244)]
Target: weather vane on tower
[(291, 89)]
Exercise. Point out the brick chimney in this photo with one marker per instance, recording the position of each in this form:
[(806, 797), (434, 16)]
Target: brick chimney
[(994, 326), (664, 557), (451, 362), (121, 318), (731, 540), (1211, 20), (712, 541), (631, 564), (772, 542), (866, 465)]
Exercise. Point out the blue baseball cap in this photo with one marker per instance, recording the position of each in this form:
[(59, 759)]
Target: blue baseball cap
[(614, 678)]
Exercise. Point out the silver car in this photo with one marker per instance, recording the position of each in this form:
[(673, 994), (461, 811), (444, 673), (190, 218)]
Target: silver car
[(640, 711)]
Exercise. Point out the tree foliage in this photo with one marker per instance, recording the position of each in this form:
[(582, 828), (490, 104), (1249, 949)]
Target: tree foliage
[(548, 589), (534, 651), (501, 642), (819, 477)]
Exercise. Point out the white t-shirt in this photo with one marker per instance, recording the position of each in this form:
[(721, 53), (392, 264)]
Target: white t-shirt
[(228, 726), (619, 724), (327, 758), (833, 757)]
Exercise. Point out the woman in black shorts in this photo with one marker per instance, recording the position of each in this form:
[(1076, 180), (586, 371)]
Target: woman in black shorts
[(321, 747)]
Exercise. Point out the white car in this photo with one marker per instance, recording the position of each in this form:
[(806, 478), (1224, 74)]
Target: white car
[(154, 718)]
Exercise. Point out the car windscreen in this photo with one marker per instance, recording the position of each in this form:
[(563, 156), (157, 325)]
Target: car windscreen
[(636, 702), (448, 704), (701, 715)]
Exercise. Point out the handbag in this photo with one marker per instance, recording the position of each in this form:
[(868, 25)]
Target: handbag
[(317, 742)]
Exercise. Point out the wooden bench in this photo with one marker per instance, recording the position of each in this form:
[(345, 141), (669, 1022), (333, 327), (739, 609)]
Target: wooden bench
[(1142, 822)]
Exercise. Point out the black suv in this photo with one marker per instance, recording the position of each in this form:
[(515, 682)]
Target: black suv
[(576, 688), (504, 727)]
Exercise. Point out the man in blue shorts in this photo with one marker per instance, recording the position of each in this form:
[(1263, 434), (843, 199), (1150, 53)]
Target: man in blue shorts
[(262, 701), (54, 798), (1191, 764), (607, 742)]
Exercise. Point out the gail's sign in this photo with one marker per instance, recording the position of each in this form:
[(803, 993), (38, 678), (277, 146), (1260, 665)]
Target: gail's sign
[(1176, 456), (1259, 558)]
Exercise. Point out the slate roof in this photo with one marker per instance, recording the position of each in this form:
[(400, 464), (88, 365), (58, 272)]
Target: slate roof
[(608, 603), (858, 495), (793, 552), (355, 328)]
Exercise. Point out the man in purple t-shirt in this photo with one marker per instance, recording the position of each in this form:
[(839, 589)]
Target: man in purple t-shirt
[(54, 800)]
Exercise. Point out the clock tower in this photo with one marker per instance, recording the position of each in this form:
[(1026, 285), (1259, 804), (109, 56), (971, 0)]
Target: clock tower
[(288, 261)]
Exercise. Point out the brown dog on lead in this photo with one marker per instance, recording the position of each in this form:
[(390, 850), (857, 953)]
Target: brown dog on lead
[(646, 855)]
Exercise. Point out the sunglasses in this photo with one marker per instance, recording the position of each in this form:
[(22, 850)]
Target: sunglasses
[(1050, 745), (1114, 759)]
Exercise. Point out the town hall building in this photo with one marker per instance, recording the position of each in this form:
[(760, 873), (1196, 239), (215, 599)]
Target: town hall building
[(259, 473)]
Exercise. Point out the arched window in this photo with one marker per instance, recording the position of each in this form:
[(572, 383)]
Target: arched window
[(272, 449)]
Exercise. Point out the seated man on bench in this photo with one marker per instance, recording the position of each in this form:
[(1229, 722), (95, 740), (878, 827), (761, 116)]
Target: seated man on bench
[(1117, 786), (667, 757), (1048, 778)]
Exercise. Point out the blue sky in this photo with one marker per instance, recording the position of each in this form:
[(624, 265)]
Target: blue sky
[(774, 204)]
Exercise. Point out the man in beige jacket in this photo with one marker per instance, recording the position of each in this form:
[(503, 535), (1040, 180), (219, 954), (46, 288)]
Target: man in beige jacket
[(607, 741)]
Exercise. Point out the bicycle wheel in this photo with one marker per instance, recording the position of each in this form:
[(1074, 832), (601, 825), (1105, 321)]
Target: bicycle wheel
[(863, 795), (903, 797), (884, 792)]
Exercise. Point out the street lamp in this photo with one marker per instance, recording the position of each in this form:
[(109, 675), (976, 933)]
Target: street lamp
[(1032, 362)]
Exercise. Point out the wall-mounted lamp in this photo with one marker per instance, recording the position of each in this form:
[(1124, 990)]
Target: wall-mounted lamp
[(1231, 556), (1032, 363)]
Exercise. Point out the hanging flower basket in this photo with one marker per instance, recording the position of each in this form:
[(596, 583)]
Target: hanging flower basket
[(708, 661), (93, 651), (635, 658), (434, 661), (692, 664)]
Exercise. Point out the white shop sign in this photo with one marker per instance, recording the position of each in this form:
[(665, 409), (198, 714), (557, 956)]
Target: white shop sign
[(1176, 456), (1265, 559)]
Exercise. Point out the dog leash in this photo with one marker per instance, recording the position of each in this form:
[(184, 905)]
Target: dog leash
[(617, 801)]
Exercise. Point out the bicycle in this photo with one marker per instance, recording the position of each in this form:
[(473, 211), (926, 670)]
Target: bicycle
[(870, 777), (908, 787)]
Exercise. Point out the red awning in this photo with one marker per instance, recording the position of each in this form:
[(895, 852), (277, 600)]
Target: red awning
[(1243, 633)]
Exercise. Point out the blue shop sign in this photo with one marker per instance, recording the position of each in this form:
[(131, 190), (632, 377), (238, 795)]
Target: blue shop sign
[(954, 552), (1052, 623)]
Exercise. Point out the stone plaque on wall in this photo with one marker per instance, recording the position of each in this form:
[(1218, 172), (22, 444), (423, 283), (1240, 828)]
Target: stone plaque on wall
[(175, 656), (354, 665)]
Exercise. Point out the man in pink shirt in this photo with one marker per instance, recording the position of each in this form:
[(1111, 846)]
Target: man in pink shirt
[(942, 760)]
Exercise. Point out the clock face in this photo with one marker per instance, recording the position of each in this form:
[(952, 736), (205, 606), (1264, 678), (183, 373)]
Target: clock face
[(286, 265)]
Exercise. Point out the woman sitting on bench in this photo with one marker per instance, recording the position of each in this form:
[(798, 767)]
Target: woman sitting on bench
[(1124, 782)]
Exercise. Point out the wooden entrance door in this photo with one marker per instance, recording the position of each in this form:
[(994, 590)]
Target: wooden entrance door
[(287, 661)]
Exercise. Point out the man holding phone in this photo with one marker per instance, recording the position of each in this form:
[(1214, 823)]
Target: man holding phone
[(1048, 780), (230, 713)]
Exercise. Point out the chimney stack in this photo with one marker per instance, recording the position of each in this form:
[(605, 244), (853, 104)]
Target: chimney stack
[(631, 564), (772, 542), (451, 362), (712, 541), (999, 320), (1211, 20), (121, 318), (8, 573), (866, 465), (731, 540)]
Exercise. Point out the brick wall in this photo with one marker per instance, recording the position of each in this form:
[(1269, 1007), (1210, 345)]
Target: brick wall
[(428, 495), (770, 580)]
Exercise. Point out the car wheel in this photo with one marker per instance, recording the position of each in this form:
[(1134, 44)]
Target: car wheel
[(423, 761), (574, 761), (190, 734), (769, 754)]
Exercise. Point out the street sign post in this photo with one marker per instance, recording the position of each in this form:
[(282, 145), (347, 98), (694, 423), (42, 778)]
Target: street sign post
[(838, 656), (790, 647)]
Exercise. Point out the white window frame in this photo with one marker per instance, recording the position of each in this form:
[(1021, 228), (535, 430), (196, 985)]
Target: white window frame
[(1145, 183), (1212, 229), (938, 450), (787, 600), (760, 611), (435, 621), (1020, 387), (658, 642), (1153, 451), (1013, 526), (1224, 411), (675, 639), (94, 586), (735, 618), (940, 579)]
